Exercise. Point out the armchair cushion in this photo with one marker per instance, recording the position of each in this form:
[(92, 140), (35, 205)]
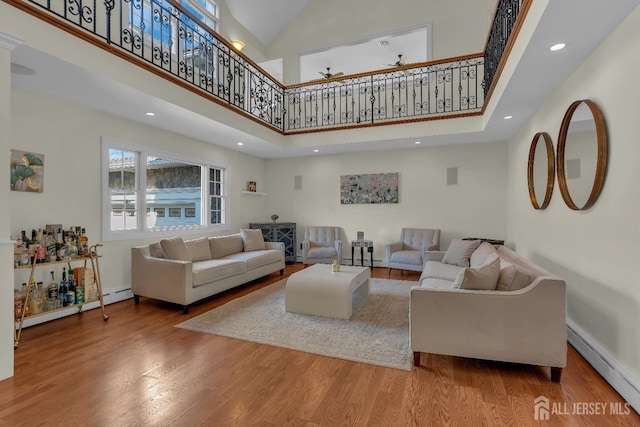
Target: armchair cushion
[(407, 257), (252, 240), (483, 278), (459, 252), (174, 248), (322, 252)]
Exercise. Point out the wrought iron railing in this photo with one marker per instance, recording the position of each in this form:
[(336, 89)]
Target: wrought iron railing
[(504, 21), (403, 94), (164, 35)]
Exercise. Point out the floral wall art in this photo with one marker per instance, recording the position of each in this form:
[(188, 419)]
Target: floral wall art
[(369, 188), (27, 171)]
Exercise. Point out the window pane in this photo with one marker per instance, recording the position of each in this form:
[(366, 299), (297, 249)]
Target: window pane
[(173, 185), (122, 185)]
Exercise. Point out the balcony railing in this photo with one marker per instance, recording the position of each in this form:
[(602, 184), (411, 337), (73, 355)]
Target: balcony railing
[(162, 35)]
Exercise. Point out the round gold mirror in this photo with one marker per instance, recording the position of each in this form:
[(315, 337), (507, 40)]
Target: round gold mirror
[(582, 155), (541, 170)]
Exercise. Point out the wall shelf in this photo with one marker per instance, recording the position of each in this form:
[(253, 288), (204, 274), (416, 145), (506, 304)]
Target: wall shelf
[(254, 193)]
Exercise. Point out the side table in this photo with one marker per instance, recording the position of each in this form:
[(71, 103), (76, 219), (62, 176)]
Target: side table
[(362, 244)]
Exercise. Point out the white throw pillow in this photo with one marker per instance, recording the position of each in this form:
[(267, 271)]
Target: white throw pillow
[(484, 278), (459, 252), (174, 248), (252, 240)]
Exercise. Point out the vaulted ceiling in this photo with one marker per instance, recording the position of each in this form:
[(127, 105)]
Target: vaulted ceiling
[(265, 19)]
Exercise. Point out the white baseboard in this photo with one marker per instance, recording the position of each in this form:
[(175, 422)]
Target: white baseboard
[(608, 367), (110, 297)]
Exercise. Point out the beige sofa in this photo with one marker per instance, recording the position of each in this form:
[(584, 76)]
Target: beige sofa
[(521, 320), (182, 272)]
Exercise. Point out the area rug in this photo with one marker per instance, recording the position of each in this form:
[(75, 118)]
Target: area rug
[(377, 333)]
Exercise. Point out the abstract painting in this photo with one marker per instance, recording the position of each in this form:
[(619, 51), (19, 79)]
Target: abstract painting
[(369, 188), (27, 171)]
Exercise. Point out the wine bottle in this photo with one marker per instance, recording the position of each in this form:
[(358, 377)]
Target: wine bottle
[(84, 243)]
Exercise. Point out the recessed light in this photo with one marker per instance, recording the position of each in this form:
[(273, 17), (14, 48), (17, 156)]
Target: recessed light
[(316, 151), (508, 117), (240, 143), (418, 142), (383, 43), (150, 113), (556, 47)]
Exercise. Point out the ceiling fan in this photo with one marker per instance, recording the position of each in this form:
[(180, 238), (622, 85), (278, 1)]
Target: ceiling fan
[(328, 74), (399, 63)]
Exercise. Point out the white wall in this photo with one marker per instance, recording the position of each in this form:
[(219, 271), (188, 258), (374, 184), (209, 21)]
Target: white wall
[(475, 207), (595, 251), (6, 247), (70, 139), (460, 27)]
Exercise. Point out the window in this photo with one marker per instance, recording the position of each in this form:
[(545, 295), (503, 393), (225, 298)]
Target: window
[(161, 186)]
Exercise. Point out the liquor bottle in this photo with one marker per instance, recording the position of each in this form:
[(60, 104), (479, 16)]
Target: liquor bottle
[(72, 246), (60, 247), (25, 240), (52, 289), (71, 291), (62, 289), (50, 245), (84, 243), (79, 292)]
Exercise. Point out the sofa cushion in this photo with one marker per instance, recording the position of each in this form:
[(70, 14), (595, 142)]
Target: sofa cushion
[(438, 270), (216, 269), (199, 249), (174, 248), (513, 277), (459, 252), (483, 278), (252, 240), (407, 257), (482, 254), (225, 245), (155, 249), (433, 283), (255, 259)]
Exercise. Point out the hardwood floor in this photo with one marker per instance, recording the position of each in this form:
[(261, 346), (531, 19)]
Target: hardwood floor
[(137, 369)]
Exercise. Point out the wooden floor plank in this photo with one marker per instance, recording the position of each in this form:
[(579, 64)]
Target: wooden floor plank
[(139, 369)]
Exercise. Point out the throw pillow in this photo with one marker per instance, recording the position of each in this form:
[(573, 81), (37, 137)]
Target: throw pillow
[(459, 252), (252, 240), (174, 248), (199, 249), (513, 277), (155, 249), (484, 278)]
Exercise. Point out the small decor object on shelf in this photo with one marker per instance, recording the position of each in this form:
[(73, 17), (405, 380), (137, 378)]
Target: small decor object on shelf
[(274, 217), (335, 267), (252, 187), (360, 235)]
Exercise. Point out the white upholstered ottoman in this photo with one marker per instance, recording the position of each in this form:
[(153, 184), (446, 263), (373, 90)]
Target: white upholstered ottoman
[(318, 291)]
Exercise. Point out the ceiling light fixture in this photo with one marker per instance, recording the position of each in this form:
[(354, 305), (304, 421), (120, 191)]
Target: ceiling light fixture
[(238, 44), (418, 142), (557, 47), (316, 151), (150, 113), (383, 43), (508, 117), (241, 143)]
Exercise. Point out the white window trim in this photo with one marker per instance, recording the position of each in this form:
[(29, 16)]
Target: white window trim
[(140, 233)]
